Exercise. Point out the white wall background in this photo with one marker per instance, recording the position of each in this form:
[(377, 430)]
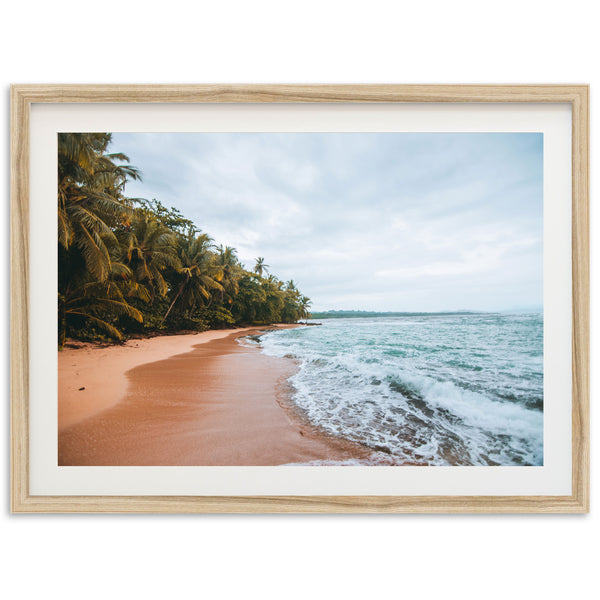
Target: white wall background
[(465, 557)]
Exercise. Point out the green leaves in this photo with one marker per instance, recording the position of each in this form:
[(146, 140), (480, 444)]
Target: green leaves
[(128, 264), (260, 267)]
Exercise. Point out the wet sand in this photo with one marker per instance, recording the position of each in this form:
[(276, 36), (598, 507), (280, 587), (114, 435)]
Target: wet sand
[(200, 399)]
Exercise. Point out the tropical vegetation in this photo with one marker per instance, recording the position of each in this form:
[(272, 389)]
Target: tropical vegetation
[(131, 266)]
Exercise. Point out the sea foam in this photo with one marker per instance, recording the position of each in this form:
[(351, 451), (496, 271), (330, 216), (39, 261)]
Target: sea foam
[(443, 390)]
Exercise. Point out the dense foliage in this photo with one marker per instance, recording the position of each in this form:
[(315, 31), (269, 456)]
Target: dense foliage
[(132, 266)]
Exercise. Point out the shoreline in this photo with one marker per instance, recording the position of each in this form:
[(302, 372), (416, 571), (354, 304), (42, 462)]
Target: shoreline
[(101, 369), (192, 399)]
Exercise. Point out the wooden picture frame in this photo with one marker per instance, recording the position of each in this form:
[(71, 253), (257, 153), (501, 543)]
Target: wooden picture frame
[(22, 99)]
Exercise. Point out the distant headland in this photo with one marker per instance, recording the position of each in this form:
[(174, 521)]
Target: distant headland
[(356, 314)]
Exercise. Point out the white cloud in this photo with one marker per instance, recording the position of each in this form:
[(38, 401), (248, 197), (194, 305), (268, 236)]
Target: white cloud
[(374, 221)]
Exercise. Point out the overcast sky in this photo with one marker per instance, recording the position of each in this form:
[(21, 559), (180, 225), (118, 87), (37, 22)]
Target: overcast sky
[(386, 221)]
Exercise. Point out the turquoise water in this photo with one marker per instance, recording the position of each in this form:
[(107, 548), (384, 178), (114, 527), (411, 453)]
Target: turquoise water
[(426, 390)]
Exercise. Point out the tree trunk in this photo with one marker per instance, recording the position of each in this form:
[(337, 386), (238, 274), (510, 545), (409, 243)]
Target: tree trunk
[(174, 300), (62, 322)]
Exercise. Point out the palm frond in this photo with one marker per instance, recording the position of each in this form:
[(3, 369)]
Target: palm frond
[(94, 253), (111, 329)]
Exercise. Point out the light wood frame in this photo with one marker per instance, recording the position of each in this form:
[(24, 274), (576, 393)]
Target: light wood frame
[(22, 97)]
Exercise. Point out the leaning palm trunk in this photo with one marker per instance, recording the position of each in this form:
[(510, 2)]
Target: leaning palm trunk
[(179, 292)]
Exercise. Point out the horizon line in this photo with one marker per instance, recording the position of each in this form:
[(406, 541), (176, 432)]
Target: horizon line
[(532, 308)]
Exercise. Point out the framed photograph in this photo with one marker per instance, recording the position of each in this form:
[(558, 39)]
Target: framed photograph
[(300, 298)]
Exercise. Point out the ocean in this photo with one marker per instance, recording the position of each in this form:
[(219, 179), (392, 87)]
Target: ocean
[(462, 389)]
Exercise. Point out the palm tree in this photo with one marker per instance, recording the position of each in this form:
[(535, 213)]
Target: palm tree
[(94, 303), (247, 306), (90, 205), (90, 200), (148, 248), (227, 271), (304, 307), (113, 250), (195, 275), (275, 281), (260, 267)]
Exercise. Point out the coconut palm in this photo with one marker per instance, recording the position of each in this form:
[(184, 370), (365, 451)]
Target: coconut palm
[(247, 304), (113, 250), (98, 304), (228, 270), (90, 198), (148, 249), (275, 281), (305, 307), (194, 279), (260, 267)]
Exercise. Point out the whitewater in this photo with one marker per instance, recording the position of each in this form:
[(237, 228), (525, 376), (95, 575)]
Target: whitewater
[(461, 389)]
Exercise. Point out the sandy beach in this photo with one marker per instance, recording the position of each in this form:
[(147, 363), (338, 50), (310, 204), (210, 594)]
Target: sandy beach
[(197, 399)]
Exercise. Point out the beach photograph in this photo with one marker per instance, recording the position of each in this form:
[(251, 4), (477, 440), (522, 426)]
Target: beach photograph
[(308, 299)]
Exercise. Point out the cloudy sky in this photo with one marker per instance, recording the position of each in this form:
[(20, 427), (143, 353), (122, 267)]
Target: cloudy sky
[(385, 221)]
